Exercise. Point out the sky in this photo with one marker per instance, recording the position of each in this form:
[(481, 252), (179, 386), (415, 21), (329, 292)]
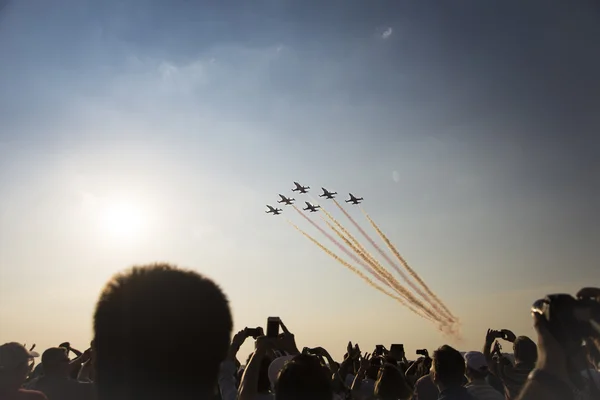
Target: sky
[(136, 131)]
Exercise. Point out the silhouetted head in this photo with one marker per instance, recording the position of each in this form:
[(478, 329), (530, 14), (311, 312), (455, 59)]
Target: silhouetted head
[(16, 363), (373, 370), (448, 367), (525, 350), (160, 332), (55, 361), (304, 378), (391, 384)]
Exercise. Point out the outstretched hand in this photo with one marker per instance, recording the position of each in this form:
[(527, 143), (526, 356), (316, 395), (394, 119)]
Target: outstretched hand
[(353, 351), (236, 343), (365, 361), (492, 335), (287, 341), (508, 335)]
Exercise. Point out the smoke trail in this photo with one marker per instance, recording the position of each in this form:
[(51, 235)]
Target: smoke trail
[(353, 269), (356, 243), (338, 244), (373, 270), (391, 262), (387, 279), (359, 249), (407, 267)]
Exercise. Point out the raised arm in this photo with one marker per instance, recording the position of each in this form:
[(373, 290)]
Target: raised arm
[(249, 385)]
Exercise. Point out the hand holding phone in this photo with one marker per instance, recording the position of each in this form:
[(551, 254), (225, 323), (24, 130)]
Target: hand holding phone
[(254, 332), (423, 352)]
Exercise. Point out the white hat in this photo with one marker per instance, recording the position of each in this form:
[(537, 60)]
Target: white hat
[(476, 361), (12, 355), (276, 366)]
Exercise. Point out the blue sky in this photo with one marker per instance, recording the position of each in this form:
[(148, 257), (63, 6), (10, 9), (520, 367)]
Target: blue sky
[(199, 113)]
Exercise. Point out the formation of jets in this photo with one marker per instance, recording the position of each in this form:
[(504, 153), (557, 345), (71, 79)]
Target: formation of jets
[(288, 201)]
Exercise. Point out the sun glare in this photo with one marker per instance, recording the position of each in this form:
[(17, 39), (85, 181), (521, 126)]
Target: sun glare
[(123, 220)]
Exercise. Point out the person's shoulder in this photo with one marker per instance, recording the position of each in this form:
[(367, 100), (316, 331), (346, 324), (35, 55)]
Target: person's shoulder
[(26, 394)]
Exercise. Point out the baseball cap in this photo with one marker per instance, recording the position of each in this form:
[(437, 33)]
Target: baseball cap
[(13, 355), (476, 361)]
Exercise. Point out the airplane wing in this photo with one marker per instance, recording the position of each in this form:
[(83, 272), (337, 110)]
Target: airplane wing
[(282, 197), (297, 185), (270, 208), (308, 204)]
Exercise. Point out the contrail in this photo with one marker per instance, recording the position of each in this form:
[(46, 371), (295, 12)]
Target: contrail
[(351, 268), (356, 243), (390, 261), (369, 259), (369, 266), (389, 280), (373, 270), (407, 267), (338, 244)]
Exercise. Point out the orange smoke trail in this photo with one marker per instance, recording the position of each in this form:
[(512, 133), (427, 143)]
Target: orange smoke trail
[(350, 267), (332, 239), (392, 263), (357, 244), (389, 280), (407, 267)]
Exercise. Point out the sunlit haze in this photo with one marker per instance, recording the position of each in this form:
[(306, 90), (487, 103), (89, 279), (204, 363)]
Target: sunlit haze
[(140, 131)]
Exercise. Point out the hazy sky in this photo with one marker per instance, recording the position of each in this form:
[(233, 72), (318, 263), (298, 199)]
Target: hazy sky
[(135, 131)]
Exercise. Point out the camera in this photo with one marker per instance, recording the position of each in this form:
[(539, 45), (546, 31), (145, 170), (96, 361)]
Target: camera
[(570, 320)]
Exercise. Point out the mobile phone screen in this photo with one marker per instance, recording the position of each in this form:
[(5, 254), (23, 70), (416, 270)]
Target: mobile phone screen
[(396, 351), (273, 327)]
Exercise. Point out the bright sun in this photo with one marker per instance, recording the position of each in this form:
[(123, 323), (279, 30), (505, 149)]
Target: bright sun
[(123, 220)]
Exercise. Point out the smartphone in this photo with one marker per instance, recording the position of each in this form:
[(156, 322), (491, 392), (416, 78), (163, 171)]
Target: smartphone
[(379, 350), (254, 332), (273, 327), (423, 352), (397, 351)]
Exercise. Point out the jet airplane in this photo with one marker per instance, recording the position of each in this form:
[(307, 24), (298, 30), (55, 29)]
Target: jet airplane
[(310, 207), (288, 201), (327, 194), (354, 200), (274, 211), (300, 188)]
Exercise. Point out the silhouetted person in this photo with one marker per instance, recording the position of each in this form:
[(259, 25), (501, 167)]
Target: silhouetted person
[(56, 382), (512, 376), (160, 333), (304, 378), (391, 384), (425, 388), (16, 363), (476, 373), (448, 374)]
